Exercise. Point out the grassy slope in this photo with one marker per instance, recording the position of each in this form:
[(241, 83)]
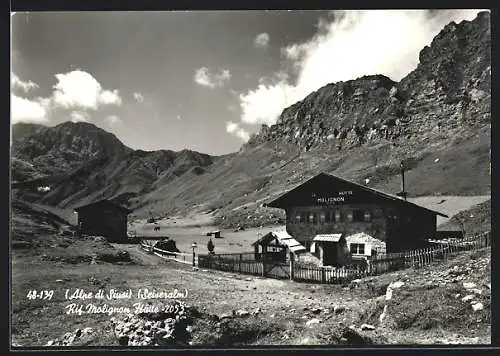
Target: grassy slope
[(28, 221), (473, 220)]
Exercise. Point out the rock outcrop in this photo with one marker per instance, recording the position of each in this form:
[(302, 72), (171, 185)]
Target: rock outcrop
[(448, 92)]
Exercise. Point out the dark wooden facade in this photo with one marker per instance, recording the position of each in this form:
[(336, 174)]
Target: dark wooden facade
[(103, 218), (270, 248), (327, 204)]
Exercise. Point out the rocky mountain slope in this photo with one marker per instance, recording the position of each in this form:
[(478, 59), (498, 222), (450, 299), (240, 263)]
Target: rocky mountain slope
[(447, 94), (55, 150), (120, 175), (437, 119)]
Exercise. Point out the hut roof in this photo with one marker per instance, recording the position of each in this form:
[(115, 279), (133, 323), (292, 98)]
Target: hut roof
[(283, 238), (362, 237), (328, 237), (325, 179), (105, 203)]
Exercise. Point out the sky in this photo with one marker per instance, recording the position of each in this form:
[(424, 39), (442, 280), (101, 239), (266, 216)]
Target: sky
[(201, 80)]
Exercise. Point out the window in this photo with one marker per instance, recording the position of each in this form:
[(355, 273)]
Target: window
[(303, 217), (358, 215), (311, 218), (338, 217), (358, 249), (273, 249), (349, 216), (322, 217), (297, 219), (368, 216)]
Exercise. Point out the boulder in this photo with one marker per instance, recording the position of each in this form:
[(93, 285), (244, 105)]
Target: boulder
[(338, 309), (316, 310), (367, 327), (469, 285), (477, 306), (225, 316), (312, 322), (396, 285), (468, 298), (242, 312), (353, 336)]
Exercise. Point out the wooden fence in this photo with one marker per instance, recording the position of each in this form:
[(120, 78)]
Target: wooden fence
[(440, 251), (230, 263), (186, 258)]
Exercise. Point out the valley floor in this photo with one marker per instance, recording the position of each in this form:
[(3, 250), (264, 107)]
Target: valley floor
[(427, 309)]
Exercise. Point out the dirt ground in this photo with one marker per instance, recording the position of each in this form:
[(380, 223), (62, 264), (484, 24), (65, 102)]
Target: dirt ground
[(279, 309)]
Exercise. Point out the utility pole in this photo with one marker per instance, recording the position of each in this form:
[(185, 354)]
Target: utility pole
[(403, 193)]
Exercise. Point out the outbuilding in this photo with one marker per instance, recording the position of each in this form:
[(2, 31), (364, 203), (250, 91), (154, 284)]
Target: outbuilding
[(103, 218), (215, 234)]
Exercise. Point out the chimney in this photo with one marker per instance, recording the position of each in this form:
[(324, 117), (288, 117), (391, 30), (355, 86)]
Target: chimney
[(403, 192)]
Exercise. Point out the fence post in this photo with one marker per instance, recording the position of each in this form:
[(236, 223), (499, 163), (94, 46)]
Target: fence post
[(291, 266), (263, 265), (323, 276), (239, 267)]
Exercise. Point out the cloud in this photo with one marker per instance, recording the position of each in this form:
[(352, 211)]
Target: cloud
[(108, 97), (348, 45), (231, 127), (204, 77), (79, 89), (139, 97), (79, 116), (25, 110), (262, 40), (17, 83), (264, 104), (235, 129), (112, 120), (178, 117)]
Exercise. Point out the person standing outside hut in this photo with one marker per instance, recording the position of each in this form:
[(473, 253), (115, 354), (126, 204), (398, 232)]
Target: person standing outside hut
[(366, 265), (210, 247)]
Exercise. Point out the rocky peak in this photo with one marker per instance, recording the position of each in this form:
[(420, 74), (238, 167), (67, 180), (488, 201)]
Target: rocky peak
[(67, 145), (449, 88)]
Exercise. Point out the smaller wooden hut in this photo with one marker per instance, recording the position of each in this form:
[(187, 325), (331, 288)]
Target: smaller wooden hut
[(363, 245), (103, 218), (215, 234), (276, 246), (331, 249)]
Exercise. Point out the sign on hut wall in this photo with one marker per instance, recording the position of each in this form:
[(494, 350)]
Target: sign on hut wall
[(342, 197)]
